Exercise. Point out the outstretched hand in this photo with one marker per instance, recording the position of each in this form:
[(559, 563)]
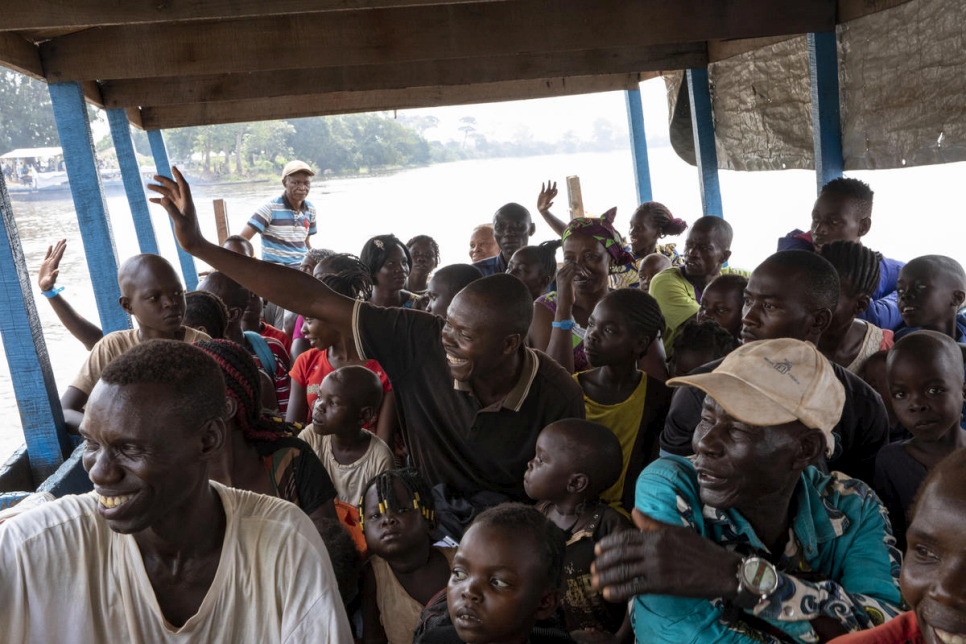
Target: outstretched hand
[(663, 559), (548, 192), (50, 267), (176, 199)]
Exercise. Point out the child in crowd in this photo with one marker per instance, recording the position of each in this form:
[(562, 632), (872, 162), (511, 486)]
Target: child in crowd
[(151, 291), (405, 570), (206, 312), (650, 266), (617, 394), (874, 374), (848, 340), (328, 351), (925, 371), (425, 253), (445, 284), (698, 343), (932, 580), (535, 266), (722, 302), (932, 290), (349, 398), (505, 585), (575, 461)]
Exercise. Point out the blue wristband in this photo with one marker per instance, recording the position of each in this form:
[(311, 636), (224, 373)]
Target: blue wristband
[(566, 325), (52, 292)]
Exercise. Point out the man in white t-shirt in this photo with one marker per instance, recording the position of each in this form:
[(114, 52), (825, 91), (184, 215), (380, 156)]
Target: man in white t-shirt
[(158, 553)]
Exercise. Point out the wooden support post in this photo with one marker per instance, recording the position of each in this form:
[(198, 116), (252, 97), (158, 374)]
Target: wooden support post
[(823, 70), (702, 123), (160, 153), (23, 341), (635, 125), (74, 128), (574, 197), (221, 220), (131, 175)]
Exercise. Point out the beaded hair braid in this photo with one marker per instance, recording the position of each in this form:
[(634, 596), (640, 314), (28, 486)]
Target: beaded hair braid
[(420, 495)]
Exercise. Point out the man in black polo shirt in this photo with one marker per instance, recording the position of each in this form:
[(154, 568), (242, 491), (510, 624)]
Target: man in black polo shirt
[(792, 294), (471, 397)]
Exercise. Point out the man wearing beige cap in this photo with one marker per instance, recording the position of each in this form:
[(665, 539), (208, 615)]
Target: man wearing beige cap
[(747, 541), (286, 223)]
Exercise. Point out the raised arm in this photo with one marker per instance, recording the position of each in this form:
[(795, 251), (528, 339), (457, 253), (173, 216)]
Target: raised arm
[(78, 326), (544, 200), (288, 287)]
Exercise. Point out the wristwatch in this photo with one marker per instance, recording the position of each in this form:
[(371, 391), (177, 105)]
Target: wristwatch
[(757, 579)]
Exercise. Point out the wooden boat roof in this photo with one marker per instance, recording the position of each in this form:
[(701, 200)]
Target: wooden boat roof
[(175, 63)]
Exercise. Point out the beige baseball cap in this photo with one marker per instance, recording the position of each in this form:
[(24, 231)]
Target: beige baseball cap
[(296, 166), (773, 382)]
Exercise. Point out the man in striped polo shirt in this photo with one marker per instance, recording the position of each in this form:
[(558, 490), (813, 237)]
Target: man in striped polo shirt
[(287, 222)]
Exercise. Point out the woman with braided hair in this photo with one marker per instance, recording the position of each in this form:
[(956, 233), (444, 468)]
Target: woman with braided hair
[(849, 340), (592, 248), (263, 455)]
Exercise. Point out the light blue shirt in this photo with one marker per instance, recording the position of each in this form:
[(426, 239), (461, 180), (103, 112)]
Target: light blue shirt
[(841, 552)]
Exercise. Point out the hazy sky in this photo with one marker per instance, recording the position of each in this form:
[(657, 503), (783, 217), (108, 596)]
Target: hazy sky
[(549, 118)]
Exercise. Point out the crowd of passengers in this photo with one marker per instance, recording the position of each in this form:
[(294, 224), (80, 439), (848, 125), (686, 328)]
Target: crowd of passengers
[(638, 444)]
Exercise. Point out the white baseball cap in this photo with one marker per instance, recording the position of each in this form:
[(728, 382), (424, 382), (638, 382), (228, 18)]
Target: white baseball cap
[(296, 166)]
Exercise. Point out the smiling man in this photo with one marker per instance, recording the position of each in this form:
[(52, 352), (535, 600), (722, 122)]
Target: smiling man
[(678, 289), (157, 552), (471, 397), (748, 542), (287, 222)]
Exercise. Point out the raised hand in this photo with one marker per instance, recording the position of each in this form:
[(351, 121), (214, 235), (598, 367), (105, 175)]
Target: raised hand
[(548, 192), (50, 267), (176, 199)]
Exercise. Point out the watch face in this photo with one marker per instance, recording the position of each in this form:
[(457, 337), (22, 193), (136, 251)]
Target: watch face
[(760, 575)]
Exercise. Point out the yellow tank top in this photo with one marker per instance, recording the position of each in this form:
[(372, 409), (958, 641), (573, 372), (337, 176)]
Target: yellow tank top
[(624, 419)]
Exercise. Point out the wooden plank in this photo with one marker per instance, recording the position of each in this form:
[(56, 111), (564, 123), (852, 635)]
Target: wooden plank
[(574, 197), (226, 87), (92, 93), (348, 102), (852, 9), (134, 117), (723, 49), (382, 36), (103, 13), (221, 219), (20, 55)]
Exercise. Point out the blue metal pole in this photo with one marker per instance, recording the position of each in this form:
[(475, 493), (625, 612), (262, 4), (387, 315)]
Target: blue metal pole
[(705, 153), (160, 153), (74, 128), (23, 341), (635, 125), (823, 70), (131, 175)]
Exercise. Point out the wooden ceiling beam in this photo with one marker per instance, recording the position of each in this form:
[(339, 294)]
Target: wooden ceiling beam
[(170, 116), (154, 92), (19, 54), (382, 36), (44, 16)]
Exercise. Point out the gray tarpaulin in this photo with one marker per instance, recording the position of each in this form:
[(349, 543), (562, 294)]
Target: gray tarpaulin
[(902, 82)]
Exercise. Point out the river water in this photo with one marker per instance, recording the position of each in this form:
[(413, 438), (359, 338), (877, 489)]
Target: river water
[(917, 211)]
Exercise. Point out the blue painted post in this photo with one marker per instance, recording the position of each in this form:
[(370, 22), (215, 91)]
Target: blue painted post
[(823, 67), (131, 175), (160, 153), (23, 341), (74, 128), (705, 153), (635, 125)]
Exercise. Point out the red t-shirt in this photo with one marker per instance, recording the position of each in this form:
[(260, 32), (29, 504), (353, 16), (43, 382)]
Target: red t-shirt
[(899, 630), (268, 331), (313, 366)]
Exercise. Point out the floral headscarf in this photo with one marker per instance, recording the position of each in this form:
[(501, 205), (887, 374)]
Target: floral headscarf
[(602, 229)]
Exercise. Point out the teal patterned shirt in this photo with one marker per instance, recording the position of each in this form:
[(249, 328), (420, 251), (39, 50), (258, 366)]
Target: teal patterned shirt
[(840, 561)]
